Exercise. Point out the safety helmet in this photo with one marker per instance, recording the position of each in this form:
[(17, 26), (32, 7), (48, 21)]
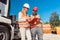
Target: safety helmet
[(26, 5), (35, 8)]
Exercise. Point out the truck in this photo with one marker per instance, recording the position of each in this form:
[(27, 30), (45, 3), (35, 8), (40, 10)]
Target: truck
[(8, 24)]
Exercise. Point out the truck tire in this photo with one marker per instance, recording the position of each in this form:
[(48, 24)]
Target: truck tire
[(4, 33)]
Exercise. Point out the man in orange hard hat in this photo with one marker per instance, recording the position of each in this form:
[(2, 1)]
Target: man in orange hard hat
[(36, 25)]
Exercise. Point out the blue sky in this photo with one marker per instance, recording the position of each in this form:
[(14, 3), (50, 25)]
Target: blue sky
[(45, 7)]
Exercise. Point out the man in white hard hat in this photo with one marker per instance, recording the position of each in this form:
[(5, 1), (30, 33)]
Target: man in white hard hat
[(23, 24)]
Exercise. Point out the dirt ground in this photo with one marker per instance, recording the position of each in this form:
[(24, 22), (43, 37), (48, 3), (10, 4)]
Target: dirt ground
[(51, 37)]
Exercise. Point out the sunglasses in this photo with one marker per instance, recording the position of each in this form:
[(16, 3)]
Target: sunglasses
[(26, 7)]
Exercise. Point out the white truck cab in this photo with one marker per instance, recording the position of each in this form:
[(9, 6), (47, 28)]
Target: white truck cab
[(8, 29), (4, 7), (4, 11)]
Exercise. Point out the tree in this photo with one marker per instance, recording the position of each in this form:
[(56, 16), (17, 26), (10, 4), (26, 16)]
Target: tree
[(54, 19), (59, 22)]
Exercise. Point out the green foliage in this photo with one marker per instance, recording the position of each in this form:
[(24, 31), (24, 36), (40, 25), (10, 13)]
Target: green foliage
[(54, 19), (59, 22)]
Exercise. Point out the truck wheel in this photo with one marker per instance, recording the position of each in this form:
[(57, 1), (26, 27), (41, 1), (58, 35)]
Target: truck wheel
[(4, 33)]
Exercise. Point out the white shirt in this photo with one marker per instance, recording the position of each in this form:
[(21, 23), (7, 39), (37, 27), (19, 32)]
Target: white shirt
[(20, 18)]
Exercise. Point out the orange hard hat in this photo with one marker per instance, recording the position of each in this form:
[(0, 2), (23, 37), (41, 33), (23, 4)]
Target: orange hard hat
[(35, 8)]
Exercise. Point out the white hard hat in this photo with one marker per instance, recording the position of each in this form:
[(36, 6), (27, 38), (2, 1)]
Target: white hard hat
[(26, 5)]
